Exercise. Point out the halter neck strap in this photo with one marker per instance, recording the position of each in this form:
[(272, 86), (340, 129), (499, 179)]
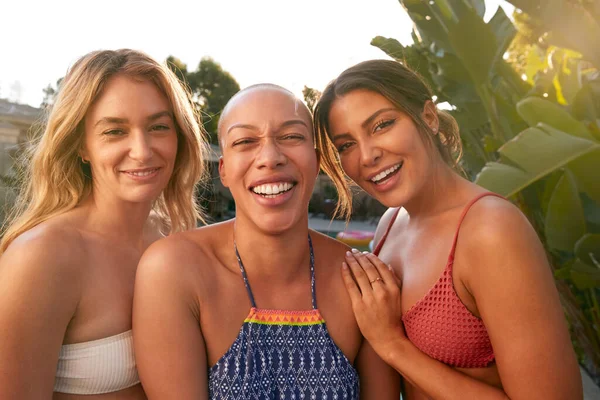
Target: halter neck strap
[(312, 275)]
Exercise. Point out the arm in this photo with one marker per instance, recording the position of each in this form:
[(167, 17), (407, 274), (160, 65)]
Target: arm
[(519, 304), (169, 348), (40, 290), (508, 275), (378, 381)]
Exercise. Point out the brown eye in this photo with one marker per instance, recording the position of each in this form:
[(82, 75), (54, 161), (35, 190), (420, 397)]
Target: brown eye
[(242, 142), (384, 124), (160, 127), (344, 146), (114, 132)]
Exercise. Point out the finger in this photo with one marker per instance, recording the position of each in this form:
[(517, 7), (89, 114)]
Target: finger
[(366, 265), (360, 276), (382, 269), (353, 292)]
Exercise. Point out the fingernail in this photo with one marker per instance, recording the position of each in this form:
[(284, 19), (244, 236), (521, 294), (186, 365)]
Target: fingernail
[(365, 252), (348, 254), (389, 266), (355, 251), (344, 265)]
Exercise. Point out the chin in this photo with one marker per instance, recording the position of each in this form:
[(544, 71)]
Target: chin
[(278, 223), (396, 198), (142, 196)]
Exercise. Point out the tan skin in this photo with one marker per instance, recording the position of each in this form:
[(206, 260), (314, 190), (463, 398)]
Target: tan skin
[(191, 301), (72, 276), (500, 271)]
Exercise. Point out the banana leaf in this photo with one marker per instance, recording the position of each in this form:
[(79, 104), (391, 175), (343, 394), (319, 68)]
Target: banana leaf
[(565, 219), (533, 153)]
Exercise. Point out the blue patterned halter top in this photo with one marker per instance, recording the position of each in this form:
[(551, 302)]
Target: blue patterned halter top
[(281, 354)]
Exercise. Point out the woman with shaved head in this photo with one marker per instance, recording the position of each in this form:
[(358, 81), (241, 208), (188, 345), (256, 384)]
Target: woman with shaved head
[(255, 308)]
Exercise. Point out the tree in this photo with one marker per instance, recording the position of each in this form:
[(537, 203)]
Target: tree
[(211, 88), (311, 96), (50, 93)]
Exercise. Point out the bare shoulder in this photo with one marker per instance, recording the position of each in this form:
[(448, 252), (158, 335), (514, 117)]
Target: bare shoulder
[(181, 255), (50, 249), (497, 243), (328, 248), (42, 272), (492, 222)]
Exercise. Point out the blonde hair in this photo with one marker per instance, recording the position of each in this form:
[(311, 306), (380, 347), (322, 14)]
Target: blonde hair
[(55, 180), (406, 90)]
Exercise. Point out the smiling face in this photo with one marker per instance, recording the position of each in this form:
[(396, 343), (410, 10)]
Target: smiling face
[(269, 162), (130, 140), (380, 146)]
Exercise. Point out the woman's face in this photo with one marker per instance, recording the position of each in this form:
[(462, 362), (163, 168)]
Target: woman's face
[(380, 147), (130, 140), (269, 161)]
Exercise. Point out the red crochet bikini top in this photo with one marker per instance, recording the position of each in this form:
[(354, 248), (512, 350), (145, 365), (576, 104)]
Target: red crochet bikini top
[(440, 325)]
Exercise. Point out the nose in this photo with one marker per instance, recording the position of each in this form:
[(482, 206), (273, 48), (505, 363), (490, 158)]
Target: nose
[(141, 146), (369, 154), (270, 155)]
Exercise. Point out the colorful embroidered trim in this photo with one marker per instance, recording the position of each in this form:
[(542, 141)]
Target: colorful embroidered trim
[(283, 317)]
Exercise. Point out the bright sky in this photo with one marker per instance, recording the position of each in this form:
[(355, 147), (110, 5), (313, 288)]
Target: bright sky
[(290, 43)]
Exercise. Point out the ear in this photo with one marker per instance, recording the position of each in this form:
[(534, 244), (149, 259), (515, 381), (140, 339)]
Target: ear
[(83, 154), (430, 116), (222, 173)]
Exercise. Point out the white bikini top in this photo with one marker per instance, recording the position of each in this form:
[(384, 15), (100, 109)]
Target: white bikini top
[(98, 366)]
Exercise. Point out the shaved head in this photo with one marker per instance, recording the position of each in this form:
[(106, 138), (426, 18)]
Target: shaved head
[(246, 94)]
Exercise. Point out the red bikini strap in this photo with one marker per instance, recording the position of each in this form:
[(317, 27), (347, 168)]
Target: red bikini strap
[(462, 217), (382, 241)]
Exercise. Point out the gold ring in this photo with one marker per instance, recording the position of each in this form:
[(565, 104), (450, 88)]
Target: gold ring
[(375, 280)]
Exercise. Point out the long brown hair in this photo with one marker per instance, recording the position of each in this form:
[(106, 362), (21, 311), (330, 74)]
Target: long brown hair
[(55, 180), (402, 87)]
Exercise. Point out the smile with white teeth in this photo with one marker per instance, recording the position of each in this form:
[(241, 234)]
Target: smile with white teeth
[(385, 174), (142, 173), (271, 190)]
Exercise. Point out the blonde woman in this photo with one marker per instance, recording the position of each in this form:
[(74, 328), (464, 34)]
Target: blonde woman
[(121, 141)]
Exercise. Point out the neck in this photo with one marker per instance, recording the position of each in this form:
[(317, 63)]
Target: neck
[(439, 193), (278, 256), (123, 221)]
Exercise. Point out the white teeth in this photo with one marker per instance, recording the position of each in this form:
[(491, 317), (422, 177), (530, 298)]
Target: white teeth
[(385, 173), (142, 173), (272, 189)]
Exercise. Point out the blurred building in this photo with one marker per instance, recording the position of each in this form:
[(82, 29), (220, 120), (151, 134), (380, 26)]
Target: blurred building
[(15, 121)]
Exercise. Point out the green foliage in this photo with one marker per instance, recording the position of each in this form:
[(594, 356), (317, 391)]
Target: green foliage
[(311, 96), (532, 155), (50, 93), (211, 87), (570, 24)]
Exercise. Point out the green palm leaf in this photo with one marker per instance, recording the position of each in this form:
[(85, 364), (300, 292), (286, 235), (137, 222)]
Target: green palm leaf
[(535, 153)]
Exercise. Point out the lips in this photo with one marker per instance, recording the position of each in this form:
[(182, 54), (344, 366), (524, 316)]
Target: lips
[(141, 172), (273, 188), (385, 174)]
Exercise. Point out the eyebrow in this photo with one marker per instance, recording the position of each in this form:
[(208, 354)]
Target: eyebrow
[(285, 124), (369, 120), (116, 120), (364, 125)]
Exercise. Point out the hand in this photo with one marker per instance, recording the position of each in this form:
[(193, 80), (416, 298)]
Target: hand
[(375, 294)]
